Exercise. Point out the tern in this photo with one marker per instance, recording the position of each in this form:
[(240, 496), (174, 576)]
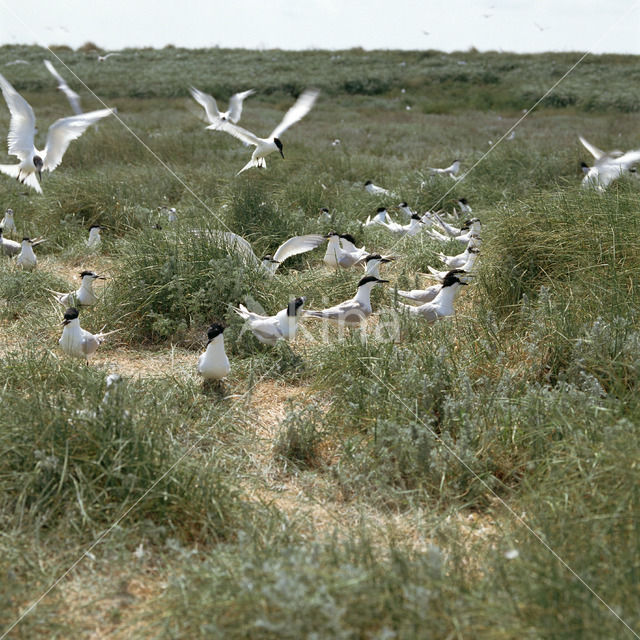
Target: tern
[(106, 56), (463, 204), (342, 251), (470, 229), (372, 264), (72, 96), (266, 146), (421, 295), (27, 258), (458, 262), (210, 106), (607, 167), (22, 130), (452, 170), (94, 240), (8, 223), (271, 329), (442, 305), (467, 267), (324, 216), (213, 364), (270, 263), (411, 229), (381, 217), (84, 296), (12, 248), (375, 190), (77, 342), (405, 208), (351, 312)]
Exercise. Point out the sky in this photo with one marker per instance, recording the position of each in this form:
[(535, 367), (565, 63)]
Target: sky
[(599, 26)]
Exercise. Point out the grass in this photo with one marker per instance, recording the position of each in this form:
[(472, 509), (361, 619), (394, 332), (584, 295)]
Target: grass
[(357, 485)]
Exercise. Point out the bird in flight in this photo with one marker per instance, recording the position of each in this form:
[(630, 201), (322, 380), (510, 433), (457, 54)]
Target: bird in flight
[(72, 96), (22, 131), (210, 106), (265, 146)]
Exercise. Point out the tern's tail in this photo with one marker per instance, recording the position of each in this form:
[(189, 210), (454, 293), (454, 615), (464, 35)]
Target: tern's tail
[(30, 179), (249, 165), (242, 311)]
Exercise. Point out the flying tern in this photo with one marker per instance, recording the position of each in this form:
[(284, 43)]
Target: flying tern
[(106, 56), (22, 130), (8, 224), (213, 364), (72, 96), (266, 146), (271, 329), (607, 167), (210, 106), (451, 171), (84, 296), (351, 312), (442, 304), (77, 342), (292, 247)]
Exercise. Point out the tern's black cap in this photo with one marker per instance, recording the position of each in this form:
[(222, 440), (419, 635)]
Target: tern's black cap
[(368, 182), (381, 209), (368, 279), (215, 330), (348, 237), (452, 277), (294, 305), (70, 314)]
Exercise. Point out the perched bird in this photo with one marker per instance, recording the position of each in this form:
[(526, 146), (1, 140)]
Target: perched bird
[(342, 251), (72, 96), (411, 229), (458, 261), (375, 190), (381, 217), (27, 258), (106, 56), (94, 240), (270, 329), (607, 167), (266, 146), (442, 304), (7, 223), (77, 342), (270, 263), (84, 296), (210, 106), (351, 312), (213, 364), (451, 171), (22, 130), (372, 264)]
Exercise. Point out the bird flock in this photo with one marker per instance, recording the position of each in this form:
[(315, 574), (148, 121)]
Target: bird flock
[(430, 304)]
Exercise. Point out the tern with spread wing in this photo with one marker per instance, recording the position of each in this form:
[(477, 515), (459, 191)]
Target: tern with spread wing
[(607, 167), (442, 304), (72, 96), (210, 106), (22, 130), (271, 329), (266, 146)]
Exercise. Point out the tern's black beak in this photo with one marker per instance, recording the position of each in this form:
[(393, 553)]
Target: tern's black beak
[(278, 144)]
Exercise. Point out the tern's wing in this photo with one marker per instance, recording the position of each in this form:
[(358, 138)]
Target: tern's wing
[(245, 314), (233, 242), (235, 104), (89, 344), (346, 308), (64, 130), (72, 96), (246, 137), (208, 103), (23, 122), (594, 151), (266, 328), (298, 111), (628, 159), (296, 245)]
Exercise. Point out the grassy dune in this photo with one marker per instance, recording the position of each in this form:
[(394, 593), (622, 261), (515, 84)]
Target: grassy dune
[(473, 479)]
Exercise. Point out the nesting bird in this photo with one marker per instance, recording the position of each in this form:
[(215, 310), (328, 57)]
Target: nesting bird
[(27, 258), (77, 342), (84, 296)]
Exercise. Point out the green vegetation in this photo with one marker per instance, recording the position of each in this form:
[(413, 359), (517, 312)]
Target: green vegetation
[(408, 481)]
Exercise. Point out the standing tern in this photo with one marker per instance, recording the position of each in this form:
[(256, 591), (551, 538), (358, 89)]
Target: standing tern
[(607, 167), (72, 96), (467, 267), (77, 342), (94, 240), (266, 146), (442, 305), (27, 258), (8, 224), (411, 229), (84, 296), (351, 312), (381, 217), (458, 262), (22, 130), (372, 264), (210, 106), (213, 364), (342, 251), (271, 329)]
